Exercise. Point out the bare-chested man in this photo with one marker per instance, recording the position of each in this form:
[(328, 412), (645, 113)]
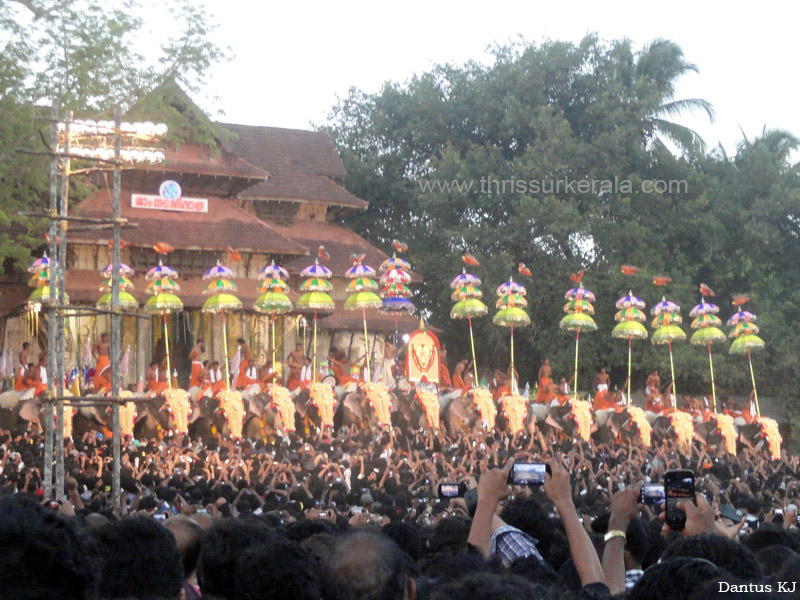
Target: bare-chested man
[(546, 392), (102, 367), (295, 362), (197, 366), (243, 380), (653, 385), (602, 381), (22, 368)]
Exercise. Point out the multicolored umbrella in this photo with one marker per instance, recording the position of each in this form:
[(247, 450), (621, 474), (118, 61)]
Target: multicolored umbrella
[(467, 308), (630, 317), (163, 303), (218, 271), (665, 319), (395, 276), (361, 298), (579, 293), (39, 264), (316, 270), (396, 290), (666, 335), (511, 315), (40, 279), (123, 270), (221, 301), (124, 284), (162, 285), (745, 341), (273, 271), (316, 301), (274, 284), (706, 324), (316, 284), (465, 292), (578, 319), (665, 306), (160, 270), (630, 301), (395, 262), (464, 279)]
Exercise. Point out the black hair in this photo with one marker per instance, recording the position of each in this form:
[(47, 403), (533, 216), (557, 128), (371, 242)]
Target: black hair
[(447, 566), (365, 565), (280, 570), (222, 545), (43, 554), (674, 579), (491, 586), (726, 554), (138, 558), (301, 530), (636, 540), (240, 341), (449, 535)]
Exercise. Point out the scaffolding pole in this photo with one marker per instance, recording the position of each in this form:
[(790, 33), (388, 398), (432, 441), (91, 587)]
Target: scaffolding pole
[(61, 296), (116, 331), (47, 467)]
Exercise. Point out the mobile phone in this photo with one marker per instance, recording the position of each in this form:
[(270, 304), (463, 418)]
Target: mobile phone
[(452, 490), (356, 510), (652, 494), (528, 473), (161, 517), (678, 485)]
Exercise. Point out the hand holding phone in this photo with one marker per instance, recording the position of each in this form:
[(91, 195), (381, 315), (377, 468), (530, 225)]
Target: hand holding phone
[(678, 485)]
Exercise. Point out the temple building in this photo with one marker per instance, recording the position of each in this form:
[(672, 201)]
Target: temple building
[(266, 192)]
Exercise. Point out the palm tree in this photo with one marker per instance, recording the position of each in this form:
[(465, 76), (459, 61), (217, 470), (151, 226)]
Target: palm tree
[(658, 66)]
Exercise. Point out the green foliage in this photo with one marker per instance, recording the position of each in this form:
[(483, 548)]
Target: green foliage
[(88, 56), (591, 111)]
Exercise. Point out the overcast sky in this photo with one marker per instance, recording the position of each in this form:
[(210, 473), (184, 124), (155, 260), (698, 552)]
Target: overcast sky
[(293, 59)]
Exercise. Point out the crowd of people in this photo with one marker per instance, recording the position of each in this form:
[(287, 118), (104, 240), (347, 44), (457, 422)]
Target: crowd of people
[(357, 514)]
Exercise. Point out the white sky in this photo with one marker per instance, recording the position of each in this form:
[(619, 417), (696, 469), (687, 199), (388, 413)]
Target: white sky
[(293, 59)]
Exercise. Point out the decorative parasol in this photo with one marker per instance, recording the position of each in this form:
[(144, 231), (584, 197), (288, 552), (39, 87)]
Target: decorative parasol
[(123, 270), (162, 285), (511, 315), (317, 301), (667, 334), (578, 319), (393, 263), (163, 303), (126, 301), (274, 301), (395, 296), (629, 326), (745, 341), (273, 271), (124, 284), (361, 298), (469, 307), (160, 270), (219, 301), (706, 325), (39, 264), (316, 284)]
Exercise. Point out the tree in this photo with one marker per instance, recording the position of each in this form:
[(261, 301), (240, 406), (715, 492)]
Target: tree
[(86, 56), (469, 158)]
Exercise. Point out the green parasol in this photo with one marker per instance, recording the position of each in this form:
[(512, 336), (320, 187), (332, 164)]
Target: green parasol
[(125, 301), (706, 336), (466, 295), (219, 303), (511, 300), (630, 313), (664, 319), (316, 284), (744, 344), (510, 315), (316, 299), (629, 330), (666, 335), (578, 319), (162, 285), (219, 286), (273, 284), (220, 300), (163, 303), (362, 300), (274, 303)]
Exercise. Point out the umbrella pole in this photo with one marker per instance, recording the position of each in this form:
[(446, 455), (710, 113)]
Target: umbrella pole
[(225, 344), (674, 400), (472, 345), (166, 346), (713, 385), (395, 332), (273, 341), (513, 379), (753, 379), (314, 366), (366, 345), (575, 375), (628, 399)]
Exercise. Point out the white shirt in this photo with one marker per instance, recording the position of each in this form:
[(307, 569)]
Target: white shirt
[(305, 373)]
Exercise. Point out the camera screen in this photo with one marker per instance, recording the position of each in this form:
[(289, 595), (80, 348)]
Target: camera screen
[(678, 487), (652, 493), (528, 474), (449, 490)]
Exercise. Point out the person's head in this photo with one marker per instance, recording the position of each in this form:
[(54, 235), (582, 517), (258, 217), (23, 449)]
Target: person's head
[(493, 586), (771, 559), (206, 363), (298, 347), (26, 345), (223, 543), (138, 558), (547, 361), (153, 364), (674, 579), (240, 341), (32, 537), (366, 565), (280, 570), (187, 535), (727, 554), (603, 371), (449, 535), (104, 337)]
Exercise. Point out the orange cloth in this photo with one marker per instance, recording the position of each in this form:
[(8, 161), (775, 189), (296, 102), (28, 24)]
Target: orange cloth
[(157, 386), (458, 383), (500, 392), (19, 382), (293, 383), (194, 379), (341, 378), (444, 376), (102, 374), (544, 395), (654, 406), (218, 386), (243, 381)]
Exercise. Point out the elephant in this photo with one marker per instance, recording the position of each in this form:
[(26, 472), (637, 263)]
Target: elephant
[(561, 418), (709, 433)]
